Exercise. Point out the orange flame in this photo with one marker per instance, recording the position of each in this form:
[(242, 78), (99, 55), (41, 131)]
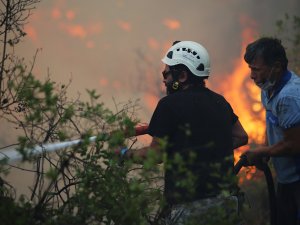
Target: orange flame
[(55, 13), (153, 43), (151, 101), (90, 44), (31, 32), (172, 24), (103, 82), (70, 14), (244, 96), (74, 30), (124, 25)]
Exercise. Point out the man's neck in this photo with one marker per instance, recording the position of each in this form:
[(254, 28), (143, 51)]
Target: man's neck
[(278, 81)]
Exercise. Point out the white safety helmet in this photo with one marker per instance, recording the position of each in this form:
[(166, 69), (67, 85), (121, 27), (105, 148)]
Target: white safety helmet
[(191, 54)]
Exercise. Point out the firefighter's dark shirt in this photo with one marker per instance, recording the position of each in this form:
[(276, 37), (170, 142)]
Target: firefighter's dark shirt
[(197, 124)]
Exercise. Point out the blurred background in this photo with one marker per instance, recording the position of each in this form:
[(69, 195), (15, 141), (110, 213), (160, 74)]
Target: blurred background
[(116, 46)]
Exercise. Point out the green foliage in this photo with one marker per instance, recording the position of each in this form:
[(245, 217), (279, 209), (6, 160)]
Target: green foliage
[(15, 213), (107, 196), (88, 183), (255, 210), (217, 212)]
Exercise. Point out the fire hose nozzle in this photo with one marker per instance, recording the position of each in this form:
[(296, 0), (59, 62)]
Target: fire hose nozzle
[(12, 154)]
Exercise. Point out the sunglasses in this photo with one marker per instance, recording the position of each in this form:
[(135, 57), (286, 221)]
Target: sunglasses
[(166, 74)]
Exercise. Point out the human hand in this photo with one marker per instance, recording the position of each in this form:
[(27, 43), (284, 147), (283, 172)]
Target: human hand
[(121, 154), (256, 157), (121, 151)]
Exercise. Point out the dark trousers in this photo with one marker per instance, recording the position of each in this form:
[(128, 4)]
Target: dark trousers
[(288, 203)]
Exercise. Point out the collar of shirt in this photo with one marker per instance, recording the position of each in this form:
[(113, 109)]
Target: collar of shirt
[(282, 82)]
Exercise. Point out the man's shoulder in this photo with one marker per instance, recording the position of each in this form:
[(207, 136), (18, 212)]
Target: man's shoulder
[(167, 100), (292, 88), (216, 94), (289, 95), (173, 96), (185, 95), (295, 78)]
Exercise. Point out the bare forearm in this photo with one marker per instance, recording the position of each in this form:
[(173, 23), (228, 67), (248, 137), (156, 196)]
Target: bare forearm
[(282, 148), (139, 155), (289, 146)]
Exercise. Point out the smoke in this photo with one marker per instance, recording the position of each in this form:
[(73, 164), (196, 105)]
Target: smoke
[(172, 24), (100, 37), (96, 43)]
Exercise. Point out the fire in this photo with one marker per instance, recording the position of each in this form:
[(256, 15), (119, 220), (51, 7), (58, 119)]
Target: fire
[(151, 101), (90, 44), (172, 24), (70, 15), (153, 43), (56, 14), (124, 25), (74, 30), (103, 82), (244, 97), (31, 32)]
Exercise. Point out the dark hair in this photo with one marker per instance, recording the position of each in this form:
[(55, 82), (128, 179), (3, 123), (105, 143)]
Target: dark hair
[(270, 49), (192, 78)]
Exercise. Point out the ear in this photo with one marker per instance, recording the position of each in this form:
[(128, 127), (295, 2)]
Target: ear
[(183, 76)]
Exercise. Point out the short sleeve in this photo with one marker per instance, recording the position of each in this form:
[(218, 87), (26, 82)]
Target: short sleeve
[(233, 115), (288, 112), (162, 122)]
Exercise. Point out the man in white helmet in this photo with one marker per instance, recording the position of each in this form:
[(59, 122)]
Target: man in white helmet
[(201, 131)]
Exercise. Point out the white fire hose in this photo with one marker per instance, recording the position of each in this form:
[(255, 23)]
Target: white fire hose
[(12, 155)]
